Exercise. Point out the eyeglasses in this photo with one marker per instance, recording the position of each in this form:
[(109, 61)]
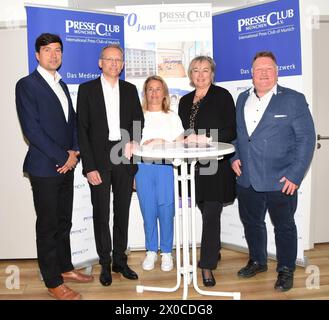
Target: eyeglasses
[(116, 60)]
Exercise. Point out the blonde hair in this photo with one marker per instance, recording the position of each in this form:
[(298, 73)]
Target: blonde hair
[(201, 59), (166, 99)]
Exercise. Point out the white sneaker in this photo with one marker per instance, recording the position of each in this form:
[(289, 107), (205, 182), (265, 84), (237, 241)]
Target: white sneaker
[(149, 261), (167, 263)]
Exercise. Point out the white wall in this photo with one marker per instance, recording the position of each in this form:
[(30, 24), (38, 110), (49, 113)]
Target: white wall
[(17, 218), (310, 10), (13, 12)]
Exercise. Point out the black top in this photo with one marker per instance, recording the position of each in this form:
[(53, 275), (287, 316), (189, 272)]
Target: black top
[(215, 117)]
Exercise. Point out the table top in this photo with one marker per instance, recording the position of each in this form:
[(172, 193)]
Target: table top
[(179, 150)]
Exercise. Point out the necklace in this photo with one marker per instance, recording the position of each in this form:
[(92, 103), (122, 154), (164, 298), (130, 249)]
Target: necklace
[(199, 96)]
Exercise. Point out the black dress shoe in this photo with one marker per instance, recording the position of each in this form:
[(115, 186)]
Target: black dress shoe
[(285, 280), (251, 269), (208, 282), (126, 272), (105, 277)]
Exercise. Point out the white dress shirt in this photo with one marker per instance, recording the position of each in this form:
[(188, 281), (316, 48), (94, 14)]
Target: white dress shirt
[(255, 108), (112, 104), (57, 88)]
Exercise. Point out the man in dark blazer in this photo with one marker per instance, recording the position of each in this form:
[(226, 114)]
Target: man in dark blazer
[(48, 122), (109, 112), (274, 147)]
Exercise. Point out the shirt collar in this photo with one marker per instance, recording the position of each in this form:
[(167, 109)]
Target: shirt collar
[(48, 76), (274, 90), (106, 83)]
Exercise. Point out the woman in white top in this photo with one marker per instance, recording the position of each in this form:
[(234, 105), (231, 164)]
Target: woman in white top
[(155, 182)]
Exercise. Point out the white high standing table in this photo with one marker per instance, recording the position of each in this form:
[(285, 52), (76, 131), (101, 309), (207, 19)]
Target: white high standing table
[(181, 156)]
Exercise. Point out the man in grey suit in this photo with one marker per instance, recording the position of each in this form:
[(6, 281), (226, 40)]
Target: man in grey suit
[(274, 147)]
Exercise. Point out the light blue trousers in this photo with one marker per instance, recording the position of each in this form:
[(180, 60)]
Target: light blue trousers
[(155, 191)]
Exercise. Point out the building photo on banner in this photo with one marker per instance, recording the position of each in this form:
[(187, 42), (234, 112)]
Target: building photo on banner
[(156, 42), (162, 39)]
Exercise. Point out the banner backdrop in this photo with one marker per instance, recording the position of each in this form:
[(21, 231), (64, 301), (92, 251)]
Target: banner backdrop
[(237, 36), (84, 34), (162, 40)]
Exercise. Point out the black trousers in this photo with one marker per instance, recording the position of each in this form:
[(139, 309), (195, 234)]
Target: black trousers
[(210, 241), (53, 201), (121, 182)]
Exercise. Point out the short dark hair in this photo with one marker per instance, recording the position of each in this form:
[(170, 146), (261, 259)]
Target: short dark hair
[(266, 54), (45, 39)]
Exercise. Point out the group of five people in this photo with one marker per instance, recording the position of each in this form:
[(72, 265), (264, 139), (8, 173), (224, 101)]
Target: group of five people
[(271, 128)]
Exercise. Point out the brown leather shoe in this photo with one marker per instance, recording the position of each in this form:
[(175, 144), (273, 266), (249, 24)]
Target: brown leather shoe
[(63, 292), (76, 276)]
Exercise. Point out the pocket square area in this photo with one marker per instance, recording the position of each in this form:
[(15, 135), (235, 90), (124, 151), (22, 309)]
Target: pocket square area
[(280, 116)]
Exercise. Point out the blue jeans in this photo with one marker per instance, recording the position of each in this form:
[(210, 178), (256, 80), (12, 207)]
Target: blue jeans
[(253, 206)]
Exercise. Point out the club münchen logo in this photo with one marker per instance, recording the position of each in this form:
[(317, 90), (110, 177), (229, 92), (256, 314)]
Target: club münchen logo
[(90, 28), (273, 19)]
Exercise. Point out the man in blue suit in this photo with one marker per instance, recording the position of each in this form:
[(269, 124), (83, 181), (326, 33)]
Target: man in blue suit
[(48, 122), (274, 147)]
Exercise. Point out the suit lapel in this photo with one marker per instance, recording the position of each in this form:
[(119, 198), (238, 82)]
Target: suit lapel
[(243, 104), (46, 86), (100, 101), (122, 103), (269, 110), (70, 106)]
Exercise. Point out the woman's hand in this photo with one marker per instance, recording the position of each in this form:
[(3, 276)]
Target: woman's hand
[(130, 148), (154, 141), (196, 138)]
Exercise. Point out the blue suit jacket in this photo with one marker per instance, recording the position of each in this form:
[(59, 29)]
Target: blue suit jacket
[(44, 125), (281, 145)]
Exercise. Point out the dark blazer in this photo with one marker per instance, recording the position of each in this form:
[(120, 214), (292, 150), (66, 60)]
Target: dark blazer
[(281, 145), (217, 111), (93, 130), (44, 125)]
